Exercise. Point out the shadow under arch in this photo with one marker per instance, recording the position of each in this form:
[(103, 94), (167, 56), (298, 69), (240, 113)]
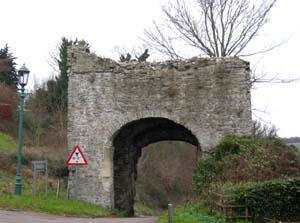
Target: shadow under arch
[(128, 142)]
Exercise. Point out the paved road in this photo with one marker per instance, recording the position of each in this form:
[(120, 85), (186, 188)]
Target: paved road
[(31, 217)]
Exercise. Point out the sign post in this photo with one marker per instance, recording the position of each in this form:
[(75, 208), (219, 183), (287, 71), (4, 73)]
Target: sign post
[(40, 166), (76, 159)]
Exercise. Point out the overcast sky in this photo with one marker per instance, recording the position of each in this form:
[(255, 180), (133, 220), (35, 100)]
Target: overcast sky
[(33, 29)]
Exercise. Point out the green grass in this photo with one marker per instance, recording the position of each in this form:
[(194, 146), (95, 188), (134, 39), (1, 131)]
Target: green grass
[(193, 213), (52, 206), (6, 182), (7, 143)]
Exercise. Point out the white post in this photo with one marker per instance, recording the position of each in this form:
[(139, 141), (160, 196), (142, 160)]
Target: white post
[(170, 213)]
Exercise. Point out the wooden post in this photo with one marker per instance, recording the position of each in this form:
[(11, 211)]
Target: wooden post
[(34, 183), (68, 190), (46, 178), (58, 188)]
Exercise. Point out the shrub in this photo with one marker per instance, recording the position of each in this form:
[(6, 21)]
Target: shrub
[(210, 169), (242, 159), (205, 173)]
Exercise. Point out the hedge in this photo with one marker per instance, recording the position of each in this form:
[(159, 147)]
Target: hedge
[(278, 200)]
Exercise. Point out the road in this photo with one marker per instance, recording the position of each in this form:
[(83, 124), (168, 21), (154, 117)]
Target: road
[(31, 217)]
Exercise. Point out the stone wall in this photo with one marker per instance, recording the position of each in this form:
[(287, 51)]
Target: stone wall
[(209, 97)]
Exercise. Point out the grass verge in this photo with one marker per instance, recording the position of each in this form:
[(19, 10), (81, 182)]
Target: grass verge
[(53, 206)]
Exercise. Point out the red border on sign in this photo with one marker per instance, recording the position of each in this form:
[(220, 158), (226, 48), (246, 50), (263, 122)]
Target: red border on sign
[(76, 164)]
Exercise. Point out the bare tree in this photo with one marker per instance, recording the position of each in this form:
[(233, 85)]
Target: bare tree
[(215, 28)]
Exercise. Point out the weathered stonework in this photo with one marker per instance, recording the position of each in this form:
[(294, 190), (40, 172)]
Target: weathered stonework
[(115, 109)]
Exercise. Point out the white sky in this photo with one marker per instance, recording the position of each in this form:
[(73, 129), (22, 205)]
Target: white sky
[(33, 29)]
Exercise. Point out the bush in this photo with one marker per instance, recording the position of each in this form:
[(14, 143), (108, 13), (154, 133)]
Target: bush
[(242, 159), (208, 170), (231, 145), (205, 173), (274, 199), (8, 104)]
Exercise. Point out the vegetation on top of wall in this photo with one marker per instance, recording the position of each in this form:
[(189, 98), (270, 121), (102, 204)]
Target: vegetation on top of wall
[(140, 57)]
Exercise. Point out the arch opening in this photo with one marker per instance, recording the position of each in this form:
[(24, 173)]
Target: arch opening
[(128, 142)]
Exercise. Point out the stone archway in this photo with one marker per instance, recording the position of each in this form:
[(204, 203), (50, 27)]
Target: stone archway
[(128, 143), (211, 97)]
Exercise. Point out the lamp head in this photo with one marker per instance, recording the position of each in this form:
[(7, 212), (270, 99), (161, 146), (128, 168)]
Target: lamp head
[(23, 75)]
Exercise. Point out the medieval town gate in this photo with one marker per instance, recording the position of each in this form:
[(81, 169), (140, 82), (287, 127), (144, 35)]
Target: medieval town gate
[(114, 110)]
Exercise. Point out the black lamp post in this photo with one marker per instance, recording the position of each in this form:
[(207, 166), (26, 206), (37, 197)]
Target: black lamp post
[(23, 75)]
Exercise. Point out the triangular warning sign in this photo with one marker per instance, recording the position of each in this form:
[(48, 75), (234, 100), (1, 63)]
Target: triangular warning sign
[(76, 158)]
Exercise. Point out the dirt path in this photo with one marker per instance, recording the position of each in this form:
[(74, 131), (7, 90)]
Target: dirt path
[(31, 217)]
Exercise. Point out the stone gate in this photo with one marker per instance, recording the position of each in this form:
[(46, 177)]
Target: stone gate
[(116, 109)]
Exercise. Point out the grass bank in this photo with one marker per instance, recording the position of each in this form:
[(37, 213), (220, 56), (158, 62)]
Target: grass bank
[(7, 143), (39, 203)]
